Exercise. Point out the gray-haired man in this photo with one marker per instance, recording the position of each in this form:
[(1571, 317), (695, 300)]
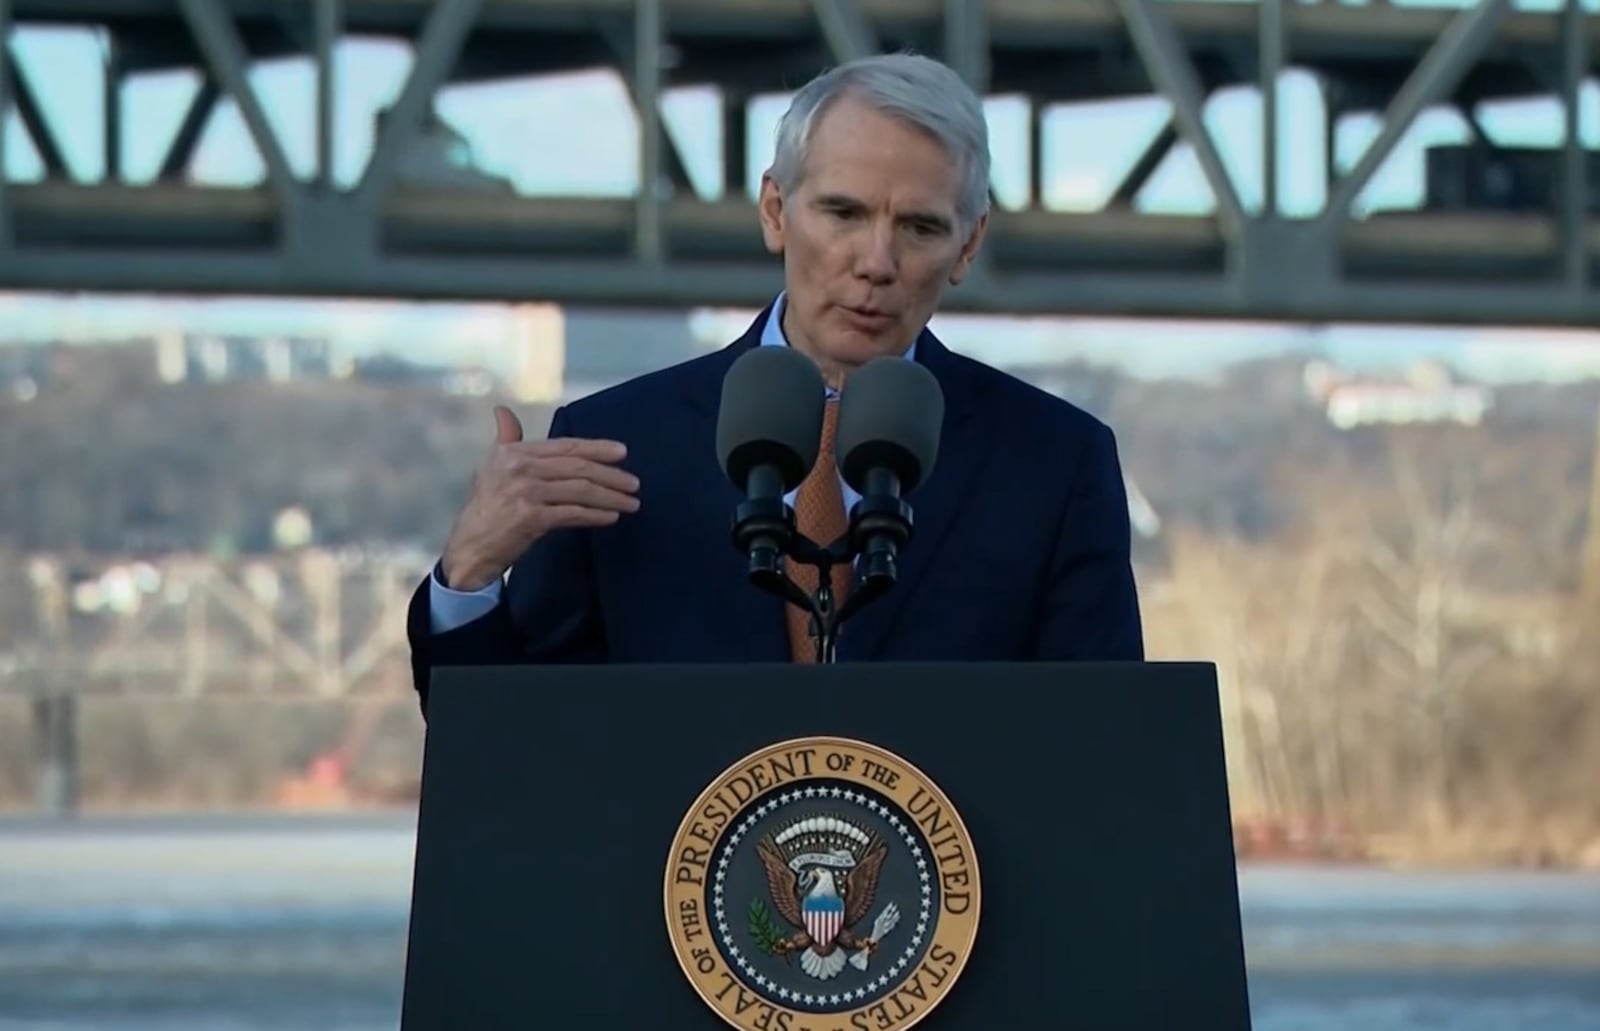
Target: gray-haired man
[(876, 201)]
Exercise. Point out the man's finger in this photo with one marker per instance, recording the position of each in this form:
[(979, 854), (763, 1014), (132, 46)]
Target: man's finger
[(582, 492), (507, 427), (564, 517), (577, 447), (566, 468)]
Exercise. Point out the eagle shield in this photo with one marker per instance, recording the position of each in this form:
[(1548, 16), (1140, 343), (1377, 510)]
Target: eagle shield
[(824, 917)]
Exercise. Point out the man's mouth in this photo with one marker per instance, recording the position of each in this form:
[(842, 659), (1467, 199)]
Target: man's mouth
[(868, 316)]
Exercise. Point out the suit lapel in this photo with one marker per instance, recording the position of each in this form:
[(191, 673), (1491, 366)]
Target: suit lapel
[(758, 618), (754, 619), (935, 503)]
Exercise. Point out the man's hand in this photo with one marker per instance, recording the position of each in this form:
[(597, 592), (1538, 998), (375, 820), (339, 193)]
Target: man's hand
[(525, 489)]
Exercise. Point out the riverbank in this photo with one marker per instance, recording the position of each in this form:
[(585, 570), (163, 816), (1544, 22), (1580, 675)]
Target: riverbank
[(1255, 845), (248, 754), (1540, 848)]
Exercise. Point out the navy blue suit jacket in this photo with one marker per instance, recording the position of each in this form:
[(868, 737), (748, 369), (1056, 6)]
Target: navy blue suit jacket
[(1020, 551)]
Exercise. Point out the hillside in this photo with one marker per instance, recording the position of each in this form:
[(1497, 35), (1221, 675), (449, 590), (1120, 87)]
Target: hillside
[(111, 462)]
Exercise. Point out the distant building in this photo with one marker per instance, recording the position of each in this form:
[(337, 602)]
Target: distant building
[(29, 370), (539, 353), (1429, 393), (212, 358)]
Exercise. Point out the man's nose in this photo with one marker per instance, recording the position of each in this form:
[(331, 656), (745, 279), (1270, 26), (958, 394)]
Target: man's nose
[(875, 258)]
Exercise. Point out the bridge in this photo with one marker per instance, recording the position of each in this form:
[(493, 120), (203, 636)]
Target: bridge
[(1466, 255)]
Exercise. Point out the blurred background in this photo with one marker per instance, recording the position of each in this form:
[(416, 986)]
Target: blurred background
[(1329, 270)]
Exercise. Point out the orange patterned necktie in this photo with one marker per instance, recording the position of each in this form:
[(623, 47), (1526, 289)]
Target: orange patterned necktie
[(819, 514)]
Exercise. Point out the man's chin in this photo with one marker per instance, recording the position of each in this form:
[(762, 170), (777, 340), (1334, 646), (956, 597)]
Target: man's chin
[(856, 345)]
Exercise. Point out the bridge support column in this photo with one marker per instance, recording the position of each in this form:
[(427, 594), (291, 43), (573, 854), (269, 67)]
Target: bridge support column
[(56, 769)]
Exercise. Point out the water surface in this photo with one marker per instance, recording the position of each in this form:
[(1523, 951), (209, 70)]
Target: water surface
[(298, 924)]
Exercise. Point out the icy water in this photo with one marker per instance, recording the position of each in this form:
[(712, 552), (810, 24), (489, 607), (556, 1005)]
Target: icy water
[(264, 924)]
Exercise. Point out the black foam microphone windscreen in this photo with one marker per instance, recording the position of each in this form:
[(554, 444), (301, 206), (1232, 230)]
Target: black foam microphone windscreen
[(890, 415), (771, 414)]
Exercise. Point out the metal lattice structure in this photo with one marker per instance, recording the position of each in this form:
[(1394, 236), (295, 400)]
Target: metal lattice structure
[(316, 623), (389, 237)]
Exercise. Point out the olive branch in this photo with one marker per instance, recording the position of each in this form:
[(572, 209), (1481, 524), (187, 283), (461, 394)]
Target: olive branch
[(764, 927)]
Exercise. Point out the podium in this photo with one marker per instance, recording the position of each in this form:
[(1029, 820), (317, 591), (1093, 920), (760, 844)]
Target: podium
[(825, 848)]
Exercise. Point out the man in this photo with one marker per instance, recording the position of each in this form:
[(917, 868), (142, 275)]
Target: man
[(615, 530)]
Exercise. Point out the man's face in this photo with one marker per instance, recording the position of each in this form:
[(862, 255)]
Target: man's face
[(870, 237)]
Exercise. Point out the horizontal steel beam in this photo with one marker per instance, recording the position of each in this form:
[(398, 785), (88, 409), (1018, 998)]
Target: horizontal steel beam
[(58, 215), (392, 237), (623, 280), (620, 282), (1352, 35)]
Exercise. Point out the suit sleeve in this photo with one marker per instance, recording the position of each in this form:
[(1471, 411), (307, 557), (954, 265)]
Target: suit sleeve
[(1091, 602), (548, 612)]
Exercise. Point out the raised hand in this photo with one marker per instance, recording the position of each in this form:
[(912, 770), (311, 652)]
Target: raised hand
[(525, 489)]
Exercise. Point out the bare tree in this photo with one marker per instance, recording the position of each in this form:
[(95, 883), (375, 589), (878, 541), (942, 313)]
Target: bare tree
[(1419, 541), (1269, 617)]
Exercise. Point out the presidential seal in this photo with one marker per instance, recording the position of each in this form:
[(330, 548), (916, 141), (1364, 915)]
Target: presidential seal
[(822, 884)]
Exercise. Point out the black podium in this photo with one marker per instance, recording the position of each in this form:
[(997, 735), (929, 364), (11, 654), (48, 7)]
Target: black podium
[(825, 848)]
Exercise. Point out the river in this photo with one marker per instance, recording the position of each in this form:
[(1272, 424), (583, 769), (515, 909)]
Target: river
[(298, 924)]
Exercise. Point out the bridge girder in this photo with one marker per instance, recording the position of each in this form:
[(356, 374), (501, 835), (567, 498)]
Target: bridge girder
[(388, 236)]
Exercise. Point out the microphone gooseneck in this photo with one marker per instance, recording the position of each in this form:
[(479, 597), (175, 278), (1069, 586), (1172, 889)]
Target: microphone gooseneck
[(769, 431)]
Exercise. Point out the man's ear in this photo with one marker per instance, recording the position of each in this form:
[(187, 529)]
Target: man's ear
[(770, 206), (969, 250)]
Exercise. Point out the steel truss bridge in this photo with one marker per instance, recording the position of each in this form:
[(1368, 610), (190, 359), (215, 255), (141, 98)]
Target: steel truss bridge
[(386, 236)]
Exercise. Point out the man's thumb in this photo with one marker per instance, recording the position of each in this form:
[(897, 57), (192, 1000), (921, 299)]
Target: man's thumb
[(507, 428)]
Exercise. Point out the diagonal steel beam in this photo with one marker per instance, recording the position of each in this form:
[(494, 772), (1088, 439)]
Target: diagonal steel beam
[(1170, 69), (848, 32), (225, 58), (1145, 166), (181, 151), (33, 119), (438, 49), (619, 36), (1461, 43), (1574, 160)]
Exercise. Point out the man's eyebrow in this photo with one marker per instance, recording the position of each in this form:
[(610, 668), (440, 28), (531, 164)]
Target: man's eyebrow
[(931, 219), (844, 202)]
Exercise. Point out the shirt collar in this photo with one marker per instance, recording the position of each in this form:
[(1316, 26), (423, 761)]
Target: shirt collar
[(772, 332)]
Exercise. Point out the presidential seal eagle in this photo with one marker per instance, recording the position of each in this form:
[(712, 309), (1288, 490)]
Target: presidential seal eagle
[(822, 875)]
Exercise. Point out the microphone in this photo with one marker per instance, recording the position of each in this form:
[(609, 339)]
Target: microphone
[(890, 415), (769, 430)]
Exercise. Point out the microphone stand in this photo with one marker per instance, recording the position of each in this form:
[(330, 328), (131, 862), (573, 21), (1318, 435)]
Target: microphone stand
[(880, 523)]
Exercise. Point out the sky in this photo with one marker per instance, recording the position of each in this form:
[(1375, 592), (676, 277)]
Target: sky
[(575, 135)]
